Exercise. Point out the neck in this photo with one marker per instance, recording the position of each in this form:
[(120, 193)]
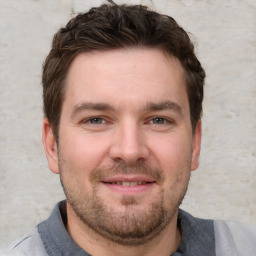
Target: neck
[(165, 243)]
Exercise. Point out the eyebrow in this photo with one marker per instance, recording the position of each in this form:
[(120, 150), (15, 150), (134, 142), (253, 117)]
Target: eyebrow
[(150, 107), (91, 106), (163, 106)]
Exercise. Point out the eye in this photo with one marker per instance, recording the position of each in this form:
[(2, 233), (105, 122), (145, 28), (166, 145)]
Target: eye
[(96, 120), (158, 120), (96, 123)]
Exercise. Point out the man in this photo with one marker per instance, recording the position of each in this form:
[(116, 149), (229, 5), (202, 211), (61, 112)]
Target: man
[(123, 93)]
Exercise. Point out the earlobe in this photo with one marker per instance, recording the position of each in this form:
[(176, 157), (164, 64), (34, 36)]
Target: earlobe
[(50, 146), (196, 146)]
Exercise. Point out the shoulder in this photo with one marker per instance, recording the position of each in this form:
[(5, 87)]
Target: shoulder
[(31, 245), (234, 238)]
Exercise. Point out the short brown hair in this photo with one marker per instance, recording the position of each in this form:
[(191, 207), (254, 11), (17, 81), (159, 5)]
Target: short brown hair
[(118, 26)]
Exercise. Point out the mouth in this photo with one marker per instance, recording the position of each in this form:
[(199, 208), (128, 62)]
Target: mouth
[(129, 185)]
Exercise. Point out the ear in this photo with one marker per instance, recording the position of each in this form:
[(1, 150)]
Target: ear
[(50, 147), (196, 146)]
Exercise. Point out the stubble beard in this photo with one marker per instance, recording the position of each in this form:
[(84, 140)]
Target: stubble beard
[(135, 225)]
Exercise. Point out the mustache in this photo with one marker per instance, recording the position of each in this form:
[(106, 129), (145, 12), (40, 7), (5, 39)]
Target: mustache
[(122, 168)]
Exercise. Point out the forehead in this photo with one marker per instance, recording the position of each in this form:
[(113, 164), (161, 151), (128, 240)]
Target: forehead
[(125, 76)]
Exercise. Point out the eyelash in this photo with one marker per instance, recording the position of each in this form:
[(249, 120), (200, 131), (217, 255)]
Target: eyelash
[(102, 120), (91, 119), (162, 119)]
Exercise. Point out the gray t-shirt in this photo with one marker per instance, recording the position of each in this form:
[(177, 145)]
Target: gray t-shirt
[(200, 237)]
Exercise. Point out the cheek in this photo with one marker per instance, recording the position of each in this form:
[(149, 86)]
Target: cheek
[(172, 153), (82, 153)]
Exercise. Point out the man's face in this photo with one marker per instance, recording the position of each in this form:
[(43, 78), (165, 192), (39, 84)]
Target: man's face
[(126, 146)]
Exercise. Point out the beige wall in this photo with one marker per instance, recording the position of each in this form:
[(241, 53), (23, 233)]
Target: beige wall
[(225, 35)]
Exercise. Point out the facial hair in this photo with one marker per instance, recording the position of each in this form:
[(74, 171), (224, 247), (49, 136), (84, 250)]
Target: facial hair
[(133, 226)]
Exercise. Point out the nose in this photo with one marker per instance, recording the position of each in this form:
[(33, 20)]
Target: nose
[(129, 145)]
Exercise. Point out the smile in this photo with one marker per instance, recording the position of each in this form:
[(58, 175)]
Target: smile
[(128, 184), (129, 187)]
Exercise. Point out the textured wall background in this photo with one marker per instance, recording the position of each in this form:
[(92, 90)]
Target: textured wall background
[(225, 35)]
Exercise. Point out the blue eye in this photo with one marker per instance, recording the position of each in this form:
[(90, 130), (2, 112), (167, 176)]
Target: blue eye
[(96, 120), (159, 120)]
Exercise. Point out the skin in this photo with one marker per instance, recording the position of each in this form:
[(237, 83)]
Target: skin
[(125, 117)]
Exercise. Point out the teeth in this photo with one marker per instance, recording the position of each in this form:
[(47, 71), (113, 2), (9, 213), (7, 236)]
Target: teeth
[(128, 184)]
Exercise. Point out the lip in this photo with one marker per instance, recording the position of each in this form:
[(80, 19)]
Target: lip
[(128, 178), (144, 184)]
